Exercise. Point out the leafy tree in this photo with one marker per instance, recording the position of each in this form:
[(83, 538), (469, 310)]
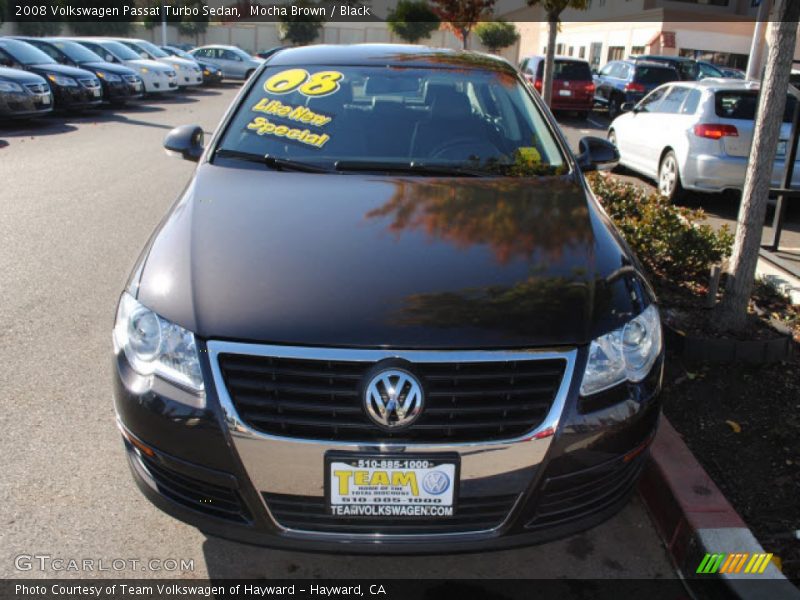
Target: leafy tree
[(553, 10), (781, 37), (461, 16), (412, 20), (194, 26), (301, 29), (496, 35)]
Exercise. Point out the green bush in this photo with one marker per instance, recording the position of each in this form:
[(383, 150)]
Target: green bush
[(669, 240), (496, 35), (412, 20)]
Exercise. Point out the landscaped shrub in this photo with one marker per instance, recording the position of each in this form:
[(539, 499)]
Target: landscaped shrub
[(670, 240)]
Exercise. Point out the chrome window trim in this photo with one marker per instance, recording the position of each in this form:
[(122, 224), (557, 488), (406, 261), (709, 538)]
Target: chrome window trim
[(538, 439)]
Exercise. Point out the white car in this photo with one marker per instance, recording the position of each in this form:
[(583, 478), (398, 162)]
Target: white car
[(696, 135), (189, 72), (234, 62), (157, 77)]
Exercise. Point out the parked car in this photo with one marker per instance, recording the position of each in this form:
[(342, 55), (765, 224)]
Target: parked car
[(696, 136), (623, 81), (371, 308), (23, 95), (265, 54), (72, 88), (185, 47), (689, 68), (212, 74), (234, 62), (189, 72), (120, 84), (157, 77), (573, 87), (727, 72)]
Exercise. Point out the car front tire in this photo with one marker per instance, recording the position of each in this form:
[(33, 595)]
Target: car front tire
[(614, 107), (669, 177)]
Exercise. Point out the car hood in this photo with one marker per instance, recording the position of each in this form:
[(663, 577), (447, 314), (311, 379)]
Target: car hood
[(351, 260), (19, 76), (62, 70), (153, 65), (176, 60), (109, 67)]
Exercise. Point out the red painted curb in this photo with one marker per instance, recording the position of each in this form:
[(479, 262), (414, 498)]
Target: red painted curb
[(679, 494)]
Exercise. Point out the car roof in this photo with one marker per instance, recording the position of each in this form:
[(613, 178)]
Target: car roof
[(636, 62), (662, 57), (718, 84), (556, 57), (399, 55)]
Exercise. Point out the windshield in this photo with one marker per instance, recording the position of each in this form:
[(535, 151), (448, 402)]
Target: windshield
[(152, 49), (329, 116), (25, 53), (121, 51), (76, 52)]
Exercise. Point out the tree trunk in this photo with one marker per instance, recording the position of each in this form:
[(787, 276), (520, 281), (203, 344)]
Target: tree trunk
[(781, 35), (549, 61), (464, 36)]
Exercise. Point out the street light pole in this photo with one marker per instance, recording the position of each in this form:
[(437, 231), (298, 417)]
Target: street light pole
[(757, 45), (163, 23)]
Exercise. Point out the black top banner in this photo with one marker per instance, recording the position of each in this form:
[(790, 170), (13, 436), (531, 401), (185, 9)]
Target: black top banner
[(372, 10)]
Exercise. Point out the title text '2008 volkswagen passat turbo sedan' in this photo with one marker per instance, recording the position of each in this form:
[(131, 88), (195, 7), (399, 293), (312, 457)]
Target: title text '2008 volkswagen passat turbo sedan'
[(387, 314)]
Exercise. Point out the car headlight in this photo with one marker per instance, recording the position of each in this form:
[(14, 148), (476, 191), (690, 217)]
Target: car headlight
[(154, 345), (176, 66), (625, 354), (110, 77), (10, 86), (62, 81), (144, 70)]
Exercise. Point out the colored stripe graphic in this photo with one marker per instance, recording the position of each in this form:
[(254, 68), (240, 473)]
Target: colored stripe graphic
[(734, 563)]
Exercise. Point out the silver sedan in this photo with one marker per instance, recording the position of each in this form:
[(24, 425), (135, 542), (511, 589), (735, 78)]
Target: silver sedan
[(234, 62)]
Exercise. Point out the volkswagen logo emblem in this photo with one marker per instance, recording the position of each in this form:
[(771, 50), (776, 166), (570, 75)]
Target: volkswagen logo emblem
[(393, 399)]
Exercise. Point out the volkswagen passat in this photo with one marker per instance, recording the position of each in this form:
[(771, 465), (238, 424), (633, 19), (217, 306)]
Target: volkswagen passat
[(23, 95), (72, 88), (387, 314), (188, 71)]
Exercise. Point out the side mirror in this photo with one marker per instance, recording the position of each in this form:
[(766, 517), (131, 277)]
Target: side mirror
[(187, 141), (597, 154), (628, 107)]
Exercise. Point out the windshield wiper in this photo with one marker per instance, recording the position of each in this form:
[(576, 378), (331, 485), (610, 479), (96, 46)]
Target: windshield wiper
[(273, 162), (415, 168)]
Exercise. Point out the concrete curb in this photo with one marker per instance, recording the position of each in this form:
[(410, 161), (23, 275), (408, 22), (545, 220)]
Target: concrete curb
[(693, 518)]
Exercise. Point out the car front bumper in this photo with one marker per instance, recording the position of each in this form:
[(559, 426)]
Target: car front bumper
[(210, 469), (76, 97), (22, 105), (715, 173), (122, 91)]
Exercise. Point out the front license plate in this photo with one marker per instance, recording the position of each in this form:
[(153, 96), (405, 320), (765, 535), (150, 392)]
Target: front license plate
[(391, 486), (565, 92), (96, 92), (44, 99)]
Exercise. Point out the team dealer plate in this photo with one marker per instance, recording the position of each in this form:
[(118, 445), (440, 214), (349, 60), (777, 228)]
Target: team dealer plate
[(384, 485)]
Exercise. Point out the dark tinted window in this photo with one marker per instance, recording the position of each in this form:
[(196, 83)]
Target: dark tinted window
[(25, 53), (743, 105), (567, 70), (655, 75)]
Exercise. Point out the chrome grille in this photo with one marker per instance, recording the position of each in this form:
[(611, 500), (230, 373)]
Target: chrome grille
[(38, 88), (308, 513), (89, 83), (322, 399)]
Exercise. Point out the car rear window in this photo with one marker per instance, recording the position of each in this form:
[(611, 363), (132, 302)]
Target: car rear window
[(743, 105), (568, 70), (655, 75), (465, 117)]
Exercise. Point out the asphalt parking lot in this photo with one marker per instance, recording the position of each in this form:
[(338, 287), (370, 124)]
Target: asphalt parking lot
[(79, 197)]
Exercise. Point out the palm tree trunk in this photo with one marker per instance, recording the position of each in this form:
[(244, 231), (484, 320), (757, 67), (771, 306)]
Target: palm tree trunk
[(549, 61), (781, 36)]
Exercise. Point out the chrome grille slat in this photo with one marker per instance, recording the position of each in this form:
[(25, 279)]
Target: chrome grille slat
[(321, 399)]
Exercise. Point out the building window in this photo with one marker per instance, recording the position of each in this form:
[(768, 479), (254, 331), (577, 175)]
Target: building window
[(571, 50), (582, 52), (560, 49), (637, 50), (616, 52), (595, 51)]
